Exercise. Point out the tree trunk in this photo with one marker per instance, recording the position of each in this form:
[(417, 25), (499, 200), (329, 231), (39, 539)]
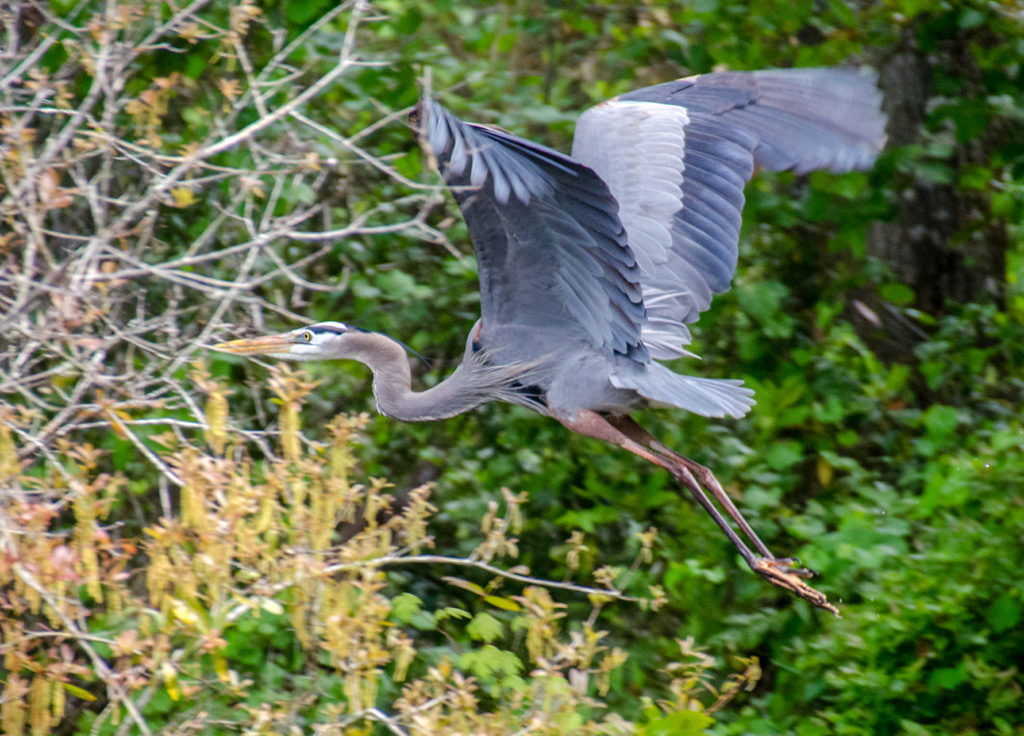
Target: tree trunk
[(943, 243)]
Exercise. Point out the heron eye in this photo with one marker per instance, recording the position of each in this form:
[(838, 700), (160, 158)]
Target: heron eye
[(307, 336)]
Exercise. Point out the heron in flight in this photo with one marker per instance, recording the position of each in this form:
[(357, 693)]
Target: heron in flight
[(592, 265)]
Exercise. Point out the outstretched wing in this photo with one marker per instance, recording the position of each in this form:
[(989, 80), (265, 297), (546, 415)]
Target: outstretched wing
[(677, 155), (551, 250)]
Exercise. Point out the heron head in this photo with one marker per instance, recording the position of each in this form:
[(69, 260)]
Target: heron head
[(321, 341)]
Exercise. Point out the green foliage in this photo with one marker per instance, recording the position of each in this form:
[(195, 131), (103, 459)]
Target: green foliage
[(896, 476), (686, 723), (279, 598)]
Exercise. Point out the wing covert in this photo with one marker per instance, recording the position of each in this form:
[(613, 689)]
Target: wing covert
[(551, 250), (677, 155)]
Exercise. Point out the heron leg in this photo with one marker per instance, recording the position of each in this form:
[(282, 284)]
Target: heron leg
[(594, 425), (707, 479), (627, 434)]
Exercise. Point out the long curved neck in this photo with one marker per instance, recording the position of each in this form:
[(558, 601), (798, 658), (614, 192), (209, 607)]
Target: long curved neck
[(392, 383)]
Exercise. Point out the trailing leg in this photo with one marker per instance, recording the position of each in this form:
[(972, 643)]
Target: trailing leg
[(594, 425), (626, 433)]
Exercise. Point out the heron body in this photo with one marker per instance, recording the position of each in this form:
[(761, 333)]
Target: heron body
[(593, 265)]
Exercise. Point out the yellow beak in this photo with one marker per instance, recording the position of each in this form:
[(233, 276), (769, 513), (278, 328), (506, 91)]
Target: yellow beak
[(257, 345)]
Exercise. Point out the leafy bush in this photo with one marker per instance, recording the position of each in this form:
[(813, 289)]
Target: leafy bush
[(248, 612), (169, 175)]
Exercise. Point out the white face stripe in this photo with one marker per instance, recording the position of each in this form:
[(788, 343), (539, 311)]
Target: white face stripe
[(304, 351)]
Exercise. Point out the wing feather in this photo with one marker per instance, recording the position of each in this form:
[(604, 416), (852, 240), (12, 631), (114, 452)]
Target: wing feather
[(551, 250), (677, 155)]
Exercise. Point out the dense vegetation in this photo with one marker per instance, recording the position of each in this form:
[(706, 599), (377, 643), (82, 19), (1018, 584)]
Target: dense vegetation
[(180, 552)]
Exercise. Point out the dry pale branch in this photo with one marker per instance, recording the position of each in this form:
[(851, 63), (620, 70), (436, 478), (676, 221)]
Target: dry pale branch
[(147, 202), (129, 239), (142, 210)]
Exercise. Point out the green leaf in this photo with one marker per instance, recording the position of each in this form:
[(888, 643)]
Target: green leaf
[(914, 729), (948, 678), (899, 294), (364, 290), (945, 487), (409, 21), (302, 13), (464, 584), (936, 172), (763, 301), (568, 722), (970, 17), (485, 627), (400, 285), (1004, 613), (451, 612), (843, 12), (848, 438), (783, 455), (940, 421), (79, 692), (405, 606), (677, 724), (489, 660), (503, 603), (301, 194)]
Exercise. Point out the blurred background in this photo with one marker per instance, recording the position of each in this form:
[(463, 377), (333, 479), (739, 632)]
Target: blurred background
[(175, 176)]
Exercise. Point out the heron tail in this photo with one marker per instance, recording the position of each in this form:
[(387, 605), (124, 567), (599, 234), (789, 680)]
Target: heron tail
[(709, 397)]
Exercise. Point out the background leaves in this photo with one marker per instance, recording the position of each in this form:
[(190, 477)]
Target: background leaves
[(886, 447)]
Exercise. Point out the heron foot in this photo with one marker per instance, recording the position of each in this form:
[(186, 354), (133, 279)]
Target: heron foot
[(780, 572), (790, 565)]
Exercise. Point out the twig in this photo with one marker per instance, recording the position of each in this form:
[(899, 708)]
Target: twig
[(102, 669), (380, 716), (389, 561)]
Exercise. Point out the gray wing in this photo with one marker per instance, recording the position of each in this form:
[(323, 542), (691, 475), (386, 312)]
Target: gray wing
[(551, 251), (677, 155)]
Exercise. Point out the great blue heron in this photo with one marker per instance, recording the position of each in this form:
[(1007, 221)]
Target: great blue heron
[(591, 266)]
